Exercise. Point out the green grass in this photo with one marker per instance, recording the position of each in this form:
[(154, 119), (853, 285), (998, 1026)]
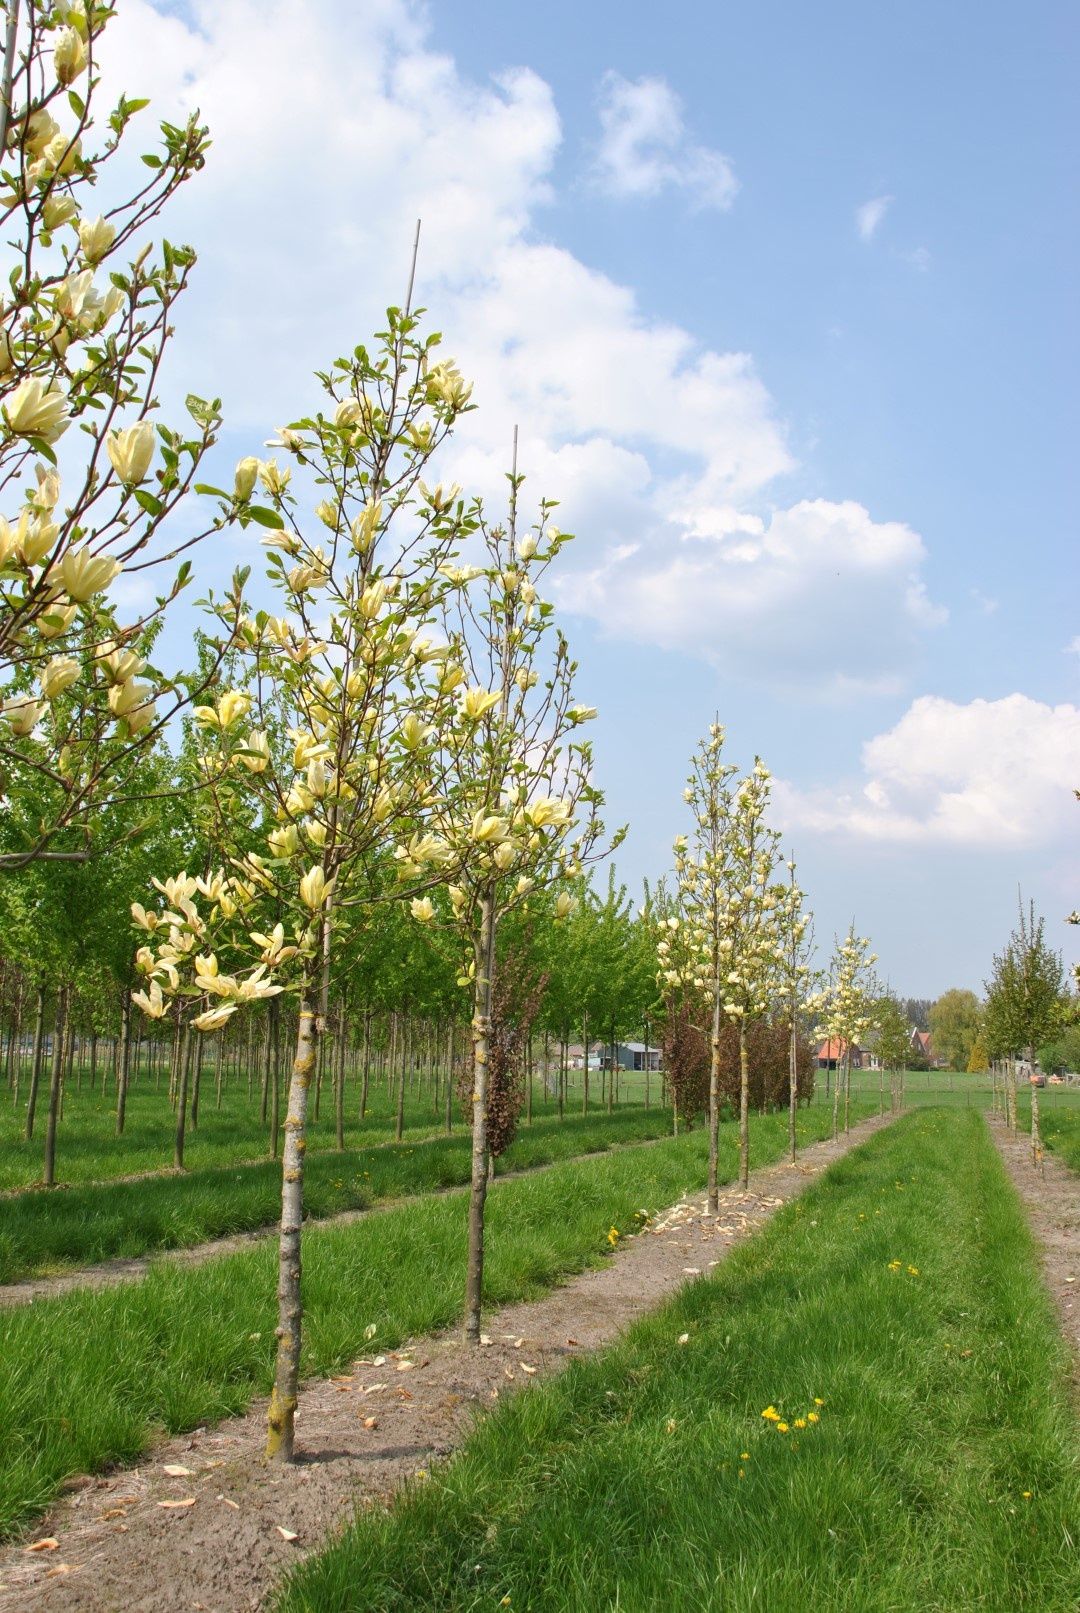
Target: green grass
[(88, 1148), (624, 1483), (57, 1231), (91, 1377), (1059, 1122)]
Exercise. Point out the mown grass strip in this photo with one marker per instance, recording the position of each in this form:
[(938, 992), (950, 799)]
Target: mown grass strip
[(50, 1232), (898, 1302), (89, 1378), (1059, 1126)]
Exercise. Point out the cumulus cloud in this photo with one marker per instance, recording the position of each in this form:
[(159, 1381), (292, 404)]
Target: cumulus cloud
[(335, 127), (818, 596), (869, 216), (644, 146), (983, 775)]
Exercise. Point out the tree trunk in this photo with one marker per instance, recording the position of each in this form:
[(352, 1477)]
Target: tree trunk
[(57, 1075), (585, 1063), (339, 1081), (275, 1073), (183, 1059), (714, 1102), (123, 1058), (365, 1072), (93, 1061), (196, 1080), (481, 1037), (836, 1095), (449, 1118), (744, 1107), (403, 1076), (280, 1430), (793, 1083), (35, 1062)]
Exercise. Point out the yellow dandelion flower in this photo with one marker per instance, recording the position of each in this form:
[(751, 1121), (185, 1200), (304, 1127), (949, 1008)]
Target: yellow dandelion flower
[(613, 1236), (771, 1415), (744, 1456), (812, 1417), (818, 1400), (913, 1271), (800, 1422), (1027, 1495), (782, 1428)]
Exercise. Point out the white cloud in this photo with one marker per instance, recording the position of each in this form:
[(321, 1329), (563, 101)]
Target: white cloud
[(819, 597), (988, 774), (869, 216), (335, 126), (644, 147), (985, 603)]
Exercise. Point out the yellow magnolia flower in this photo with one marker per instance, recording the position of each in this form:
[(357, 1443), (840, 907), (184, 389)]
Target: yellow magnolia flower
[(214, 1018), (564, 905), (58, 210), (152, 1003), (259, 746), (37, 410), (247, 472), (84, 574), (488, 830), (96, 236), (23, 715), (315, 888), (273, 477), (421, 909), (124, 698), (475, 702), (414, 732), (284, 842), (131, 452), (69, 57), (57, 675), (548, 811), (366, 525), (504, 855)]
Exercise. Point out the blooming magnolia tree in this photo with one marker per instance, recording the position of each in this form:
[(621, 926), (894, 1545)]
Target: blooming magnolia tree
[(794, 978), (752, 943), (846, 1011), (695, 953), (513, 803), (328, 736), (89, 471)]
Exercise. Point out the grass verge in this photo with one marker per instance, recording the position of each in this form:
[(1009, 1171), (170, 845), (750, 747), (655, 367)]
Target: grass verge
[(57, 1231), (898, 1303), (91, 1377)]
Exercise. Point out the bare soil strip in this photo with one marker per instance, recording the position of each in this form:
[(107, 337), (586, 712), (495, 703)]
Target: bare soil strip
[(204, 1525), (107, 1273), (1051, 1196)]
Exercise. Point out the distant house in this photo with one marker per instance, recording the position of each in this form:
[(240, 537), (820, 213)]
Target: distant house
[(830, 1053), (575, 1057), (921, 1044), (631, 1056)]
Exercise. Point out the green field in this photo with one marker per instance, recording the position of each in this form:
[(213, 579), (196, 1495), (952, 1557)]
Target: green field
[(899, 1303), (92, 1377), (44, 1232)]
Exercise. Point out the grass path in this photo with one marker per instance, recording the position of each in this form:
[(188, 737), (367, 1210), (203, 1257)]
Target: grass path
[(44, 1233), (95, 1376), (899, 1304)]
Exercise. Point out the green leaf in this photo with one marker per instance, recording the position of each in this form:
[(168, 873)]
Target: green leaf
[(265, 517), (152, 161), (147, 501), (213, 492)]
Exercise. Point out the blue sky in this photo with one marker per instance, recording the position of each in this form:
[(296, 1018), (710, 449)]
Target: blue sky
[(780, 298)]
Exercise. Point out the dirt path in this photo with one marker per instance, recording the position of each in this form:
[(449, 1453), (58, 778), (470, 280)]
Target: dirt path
[(107, 1273), (215, 1534), (1051, 1197)]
